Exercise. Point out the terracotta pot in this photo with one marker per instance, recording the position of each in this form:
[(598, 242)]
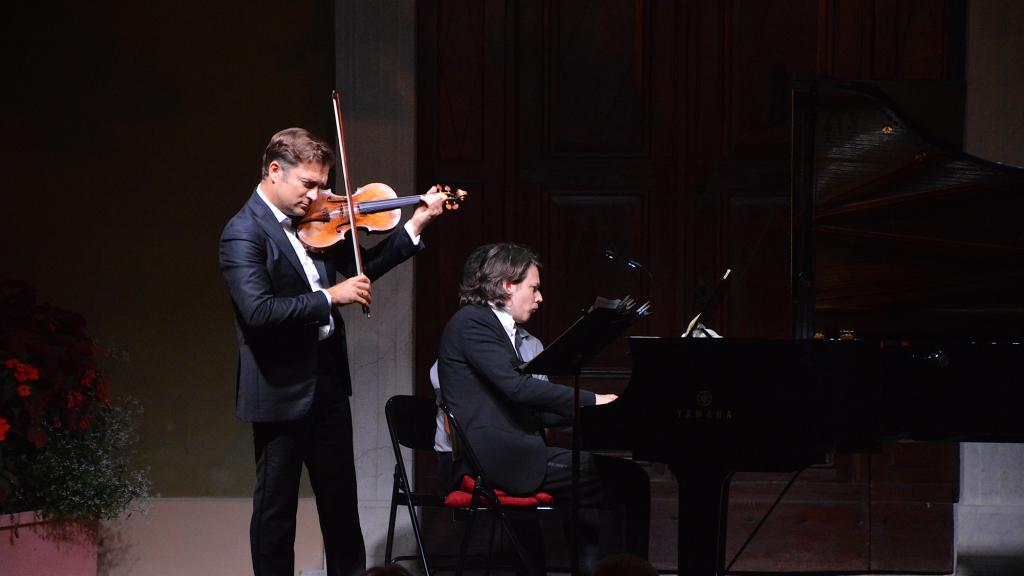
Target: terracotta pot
[(30, 546)]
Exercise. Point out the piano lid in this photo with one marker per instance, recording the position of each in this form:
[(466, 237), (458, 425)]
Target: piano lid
[(896, 234)]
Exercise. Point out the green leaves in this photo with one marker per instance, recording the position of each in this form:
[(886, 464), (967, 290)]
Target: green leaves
[(90, 474)]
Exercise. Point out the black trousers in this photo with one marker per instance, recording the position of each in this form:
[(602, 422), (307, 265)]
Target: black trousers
[(615, 503), (323, 442), (614, 515)]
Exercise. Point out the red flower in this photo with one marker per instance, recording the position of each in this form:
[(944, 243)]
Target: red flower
[(22, 372), (56, 422), (89, 378), (24, 390), (84, 423), (75, 400), (4, 427)]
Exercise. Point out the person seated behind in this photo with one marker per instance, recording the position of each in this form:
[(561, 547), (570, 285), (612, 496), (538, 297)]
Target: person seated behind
[(529, 347), (503, 412)]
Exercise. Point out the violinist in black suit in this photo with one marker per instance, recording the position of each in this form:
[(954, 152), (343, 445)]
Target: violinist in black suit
[(293, 376), (504, 412)]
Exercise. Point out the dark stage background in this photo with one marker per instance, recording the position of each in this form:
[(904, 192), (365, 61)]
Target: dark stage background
[(133, 131)]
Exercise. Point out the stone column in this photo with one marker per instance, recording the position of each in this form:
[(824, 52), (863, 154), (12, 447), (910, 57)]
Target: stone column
[(376, 76), (990, 515)]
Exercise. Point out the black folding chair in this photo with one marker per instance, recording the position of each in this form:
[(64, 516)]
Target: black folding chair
[(411, 423), (484, 496)]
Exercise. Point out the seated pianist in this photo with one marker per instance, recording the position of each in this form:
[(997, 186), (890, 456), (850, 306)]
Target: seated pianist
[(503, 414), (529, 346)]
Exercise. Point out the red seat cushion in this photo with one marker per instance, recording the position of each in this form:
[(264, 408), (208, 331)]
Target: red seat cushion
[(463, 497)]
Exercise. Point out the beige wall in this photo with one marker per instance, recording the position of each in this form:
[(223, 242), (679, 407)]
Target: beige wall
[(994, 123), (990, 515), (195, 536), (375, 58), (210, 536)]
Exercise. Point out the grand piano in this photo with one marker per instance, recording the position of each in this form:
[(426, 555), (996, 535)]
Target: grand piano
[(908, 291)]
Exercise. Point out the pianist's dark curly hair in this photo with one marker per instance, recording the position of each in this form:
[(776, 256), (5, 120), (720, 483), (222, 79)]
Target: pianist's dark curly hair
[(488, 266)]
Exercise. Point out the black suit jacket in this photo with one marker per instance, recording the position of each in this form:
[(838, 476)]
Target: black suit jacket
[(499, 409), (277, 315)]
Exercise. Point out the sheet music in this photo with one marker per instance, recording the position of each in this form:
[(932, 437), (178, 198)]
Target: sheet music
[(697, 330)]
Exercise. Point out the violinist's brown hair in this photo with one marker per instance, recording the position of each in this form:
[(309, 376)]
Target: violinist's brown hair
[(293, 146), (488, 266)]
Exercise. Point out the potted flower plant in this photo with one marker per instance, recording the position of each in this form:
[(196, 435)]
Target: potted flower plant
[(65, 445)]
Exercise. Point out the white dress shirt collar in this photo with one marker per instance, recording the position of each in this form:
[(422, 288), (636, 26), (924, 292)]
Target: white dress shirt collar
[(507, 322), (308, 267), (282, 218)]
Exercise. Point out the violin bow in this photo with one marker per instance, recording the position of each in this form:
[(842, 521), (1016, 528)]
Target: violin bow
[(343, 163)]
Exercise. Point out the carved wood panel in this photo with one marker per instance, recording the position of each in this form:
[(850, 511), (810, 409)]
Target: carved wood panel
[(771, 44), (891, 40), (460, 88), (597, 80)]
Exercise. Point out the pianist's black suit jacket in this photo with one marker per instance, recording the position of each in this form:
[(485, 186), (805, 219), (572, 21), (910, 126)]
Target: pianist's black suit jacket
[(499, 409), (277, 314)]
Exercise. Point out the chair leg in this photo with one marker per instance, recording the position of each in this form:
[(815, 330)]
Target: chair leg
[(399, 485), (418, 535), (490, 548), (391, 522), (464, 547)]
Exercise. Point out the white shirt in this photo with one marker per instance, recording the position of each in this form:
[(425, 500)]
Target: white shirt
[(307, 263), (507, 322)]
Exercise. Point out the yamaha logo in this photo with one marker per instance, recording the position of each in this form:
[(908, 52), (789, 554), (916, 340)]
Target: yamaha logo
[(704, 398)]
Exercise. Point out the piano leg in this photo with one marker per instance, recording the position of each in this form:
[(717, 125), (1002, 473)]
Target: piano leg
[(703, 501)]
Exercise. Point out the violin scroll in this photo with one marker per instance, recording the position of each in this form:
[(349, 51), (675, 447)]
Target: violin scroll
[(454, 199)]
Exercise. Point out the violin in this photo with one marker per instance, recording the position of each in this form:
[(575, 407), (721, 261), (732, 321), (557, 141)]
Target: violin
[(376, 206), (321, 228)]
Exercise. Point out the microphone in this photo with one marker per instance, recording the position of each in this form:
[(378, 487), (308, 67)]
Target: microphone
[(633, 265)]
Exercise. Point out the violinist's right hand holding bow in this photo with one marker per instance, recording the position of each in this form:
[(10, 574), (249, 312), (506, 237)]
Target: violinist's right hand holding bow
[(353, 290)]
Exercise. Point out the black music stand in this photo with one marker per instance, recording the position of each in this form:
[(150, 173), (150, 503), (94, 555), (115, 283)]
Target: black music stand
[(585, 338)]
